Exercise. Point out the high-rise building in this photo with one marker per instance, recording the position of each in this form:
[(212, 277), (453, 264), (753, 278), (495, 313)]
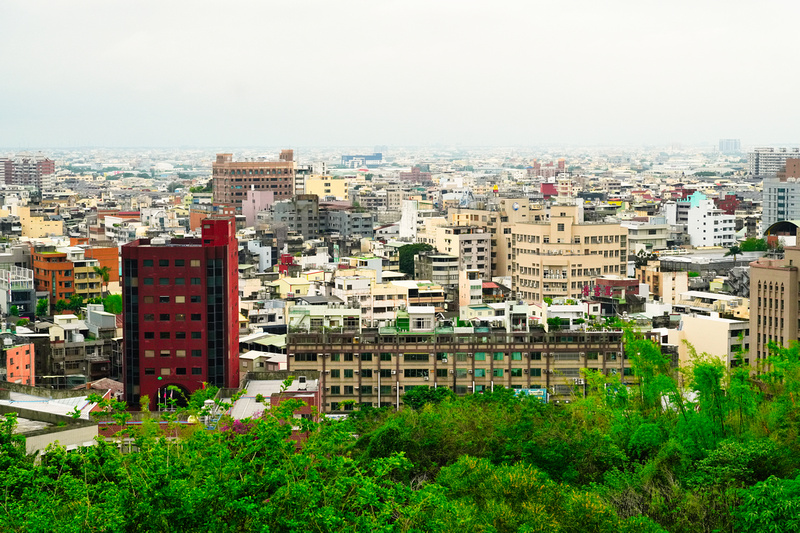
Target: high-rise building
[(769, 161), (730, 146), (232, 179), (774, 302), (29, 170), (781, 199), (181, 300)]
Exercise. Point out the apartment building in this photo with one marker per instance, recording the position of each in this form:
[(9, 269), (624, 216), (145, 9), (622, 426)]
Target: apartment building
[(300, 214), (707, 225), (232, 179), (376, 367), (54, 274), (781, 194), (769, 161), (472, 245), (664, 286), (774, 302), (647, 234), (181, 312), (17, 290), (28, 169), (560, 257), (439, 268), (329, 187)]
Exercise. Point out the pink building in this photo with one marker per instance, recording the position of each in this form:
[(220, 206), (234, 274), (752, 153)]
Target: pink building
[(256, 201), (20, 364)]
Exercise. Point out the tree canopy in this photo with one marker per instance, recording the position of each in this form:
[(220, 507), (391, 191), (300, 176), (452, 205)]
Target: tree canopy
[(407, 253)]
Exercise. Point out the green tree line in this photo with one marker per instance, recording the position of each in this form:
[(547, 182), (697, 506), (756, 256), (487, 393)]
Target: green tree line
[(708, 449)]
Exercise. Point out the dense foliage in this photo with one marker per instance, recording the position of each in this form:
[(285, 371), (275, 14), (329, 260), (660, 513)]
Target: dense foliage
[(713, 449), (406, 255)]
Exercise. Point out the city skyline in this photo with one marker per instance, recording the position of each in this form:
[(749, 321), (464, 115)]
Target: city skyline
[(358, 73)]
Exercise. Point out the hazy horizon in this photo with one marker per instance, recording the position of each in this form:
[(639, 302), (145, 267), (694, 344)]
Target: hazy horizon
[(89, 73)]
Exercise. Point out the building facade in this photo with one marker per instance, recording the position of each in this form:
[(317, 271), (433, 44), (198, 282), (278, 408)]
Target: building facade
[(707, 225), (563, 256), (769, 161), (232, 179), (781, 194), (180, 316)]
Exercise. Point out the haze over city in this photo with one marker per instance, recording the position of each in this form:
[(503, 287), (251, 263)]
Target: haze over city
[(310, 73)]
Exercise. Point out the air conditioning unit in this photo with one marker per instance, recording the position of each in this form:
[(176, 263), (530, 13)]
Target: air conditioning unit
[(426, 378), (394, 388), (470, 371), (355, 371), (326, 355), (394, 372), (525, 370), (327, 371), (374, 388), (327, 388), (444, 360), (452, 371)]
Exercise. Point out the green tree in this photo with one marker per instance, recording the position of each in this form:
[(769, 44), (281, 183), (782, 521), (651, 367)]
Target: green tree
[(41, 307), (13, 310), (104, 273), (733, 251), (406, 256), (113, 304), (753, 244), (61, 305), (418, 397), (75, 302)]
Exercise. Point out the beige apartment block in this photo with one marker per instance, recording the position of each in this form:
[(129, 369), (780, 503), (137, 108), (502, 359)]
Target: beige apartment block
[(498, 222), (560, 257), (325, 186), (666, 286), (773, 303)]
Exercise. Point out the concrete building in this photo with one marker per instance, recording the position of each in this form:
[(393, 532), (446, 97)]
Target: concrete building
[(378, 367), (781, 194), (300, 214), (17, 289), (348, 223), (560, 257), (20, 363), (329, 187), (730, 146), (439, 268), (254, 203), (232, 179), (769, 161), (471, 244), (181, 314), (715, 336), (664, 286), (28, 169), (707, 225), (647, 234), (774, 301)]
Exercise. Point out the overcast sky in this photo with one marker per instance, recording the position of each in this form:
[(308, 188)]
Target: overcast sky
[(339, 72)]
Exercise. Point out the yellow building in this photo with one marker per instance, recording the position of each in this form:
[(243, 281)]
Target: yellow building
[(37, 227), (560, 257), (324, 186)]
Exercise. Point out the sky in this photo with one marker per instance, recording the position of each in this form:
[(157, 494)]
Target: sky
[(388, 72)]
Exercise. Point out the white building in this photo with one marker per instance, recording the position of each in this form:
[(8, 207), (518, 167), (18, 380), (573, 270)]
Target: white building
[(707, 225)]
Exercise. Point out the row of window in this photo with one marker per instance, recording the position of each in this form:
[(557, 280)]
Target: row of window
[(178, 300), (165, 262), (168, 353), (168, 371), (177, 281), (166, 335)]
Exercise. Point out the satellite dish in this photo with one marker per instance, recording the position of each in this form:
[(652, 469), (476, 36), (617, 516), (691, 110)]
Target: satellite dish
[(515, 206)]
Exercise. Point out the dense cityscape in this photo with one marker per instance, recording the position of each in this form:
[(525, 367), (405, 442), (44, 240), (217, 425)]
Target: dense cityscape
[(449, 266)]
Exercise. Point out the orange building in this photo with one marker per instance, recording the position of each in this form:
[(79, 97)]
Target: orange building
[(108, 257), (54, 273), (20, 362)]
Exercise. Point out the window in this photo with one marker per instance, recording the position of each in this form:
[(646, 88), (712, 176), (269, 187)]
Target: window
[(415, 357), (164, 335), (366, 373), (197, 334), (196, 317), (180, 371), (149, 317), (180, 335), (164, 353), (366, 389), (149, 371), (335, 373), (348, 389), (163, 262), (149, 335), (163, 317), (163, 281), (516, 372), (480, 356), (180, 316), (498, 356), (195, 299), (536, 356), (386, 357), (516, 356), (480, 372), (366, 357), (148, 281), (149, 353), (461, 373), (536, 372), (194, 263), (348, 372), (560, 227), (180, 353), (180, 262), (497, 372), (165, 371), (197, 371), (163, 299), (415, 372), (197, 353), (336, 390), (195, 281), (180, 299), (147, 263), (180, 281), (441, 372)]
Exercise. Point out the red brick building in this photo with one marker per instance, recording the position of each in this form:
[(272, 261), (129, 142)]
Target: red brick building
[(232, 179), (181, 312)]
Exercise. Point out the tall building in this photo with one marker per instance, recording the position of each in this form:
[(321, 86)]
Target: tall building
[(781, 194), (562, 256), (769, 161), (232, 179), (708, 225), (730, 146), (29, 170), (181, 312), (774, 303)]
